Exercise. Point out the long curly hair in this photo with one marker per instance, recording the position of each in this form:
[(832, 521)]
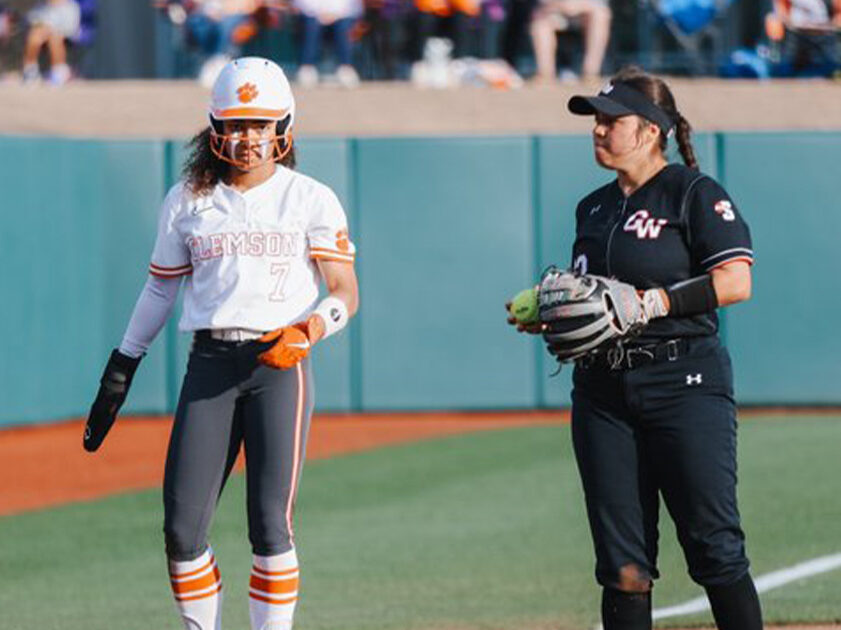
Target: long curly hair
[(202, 170)]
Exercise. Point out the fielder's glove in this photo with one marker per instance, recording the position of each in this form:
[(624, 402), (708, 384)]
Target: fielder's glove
[(582, 314), (113, 388)]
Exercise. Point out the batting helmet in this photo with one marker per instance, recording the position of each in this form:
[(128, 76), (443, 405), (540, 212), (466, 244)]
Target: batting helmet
[(251, 88)]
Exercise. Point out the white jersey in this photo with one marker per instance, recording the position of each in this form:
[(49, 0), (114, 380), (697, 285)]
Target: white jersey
[(250, 257)]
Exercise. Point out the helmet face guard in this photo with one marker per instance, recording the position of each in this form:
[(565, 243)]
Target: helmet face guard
[(239, 151)]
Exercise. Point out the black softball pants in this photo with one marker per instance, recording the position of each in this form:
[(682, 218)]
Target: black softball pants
[(228, 398), (667, 428)]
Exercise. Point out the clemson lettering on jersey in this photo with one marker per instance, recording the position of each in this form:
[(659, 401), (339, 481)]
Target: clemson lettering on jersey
[(274, 244)]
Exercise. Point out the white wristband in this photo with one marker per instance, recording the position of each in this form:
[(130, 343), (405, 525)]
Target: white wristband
[(334, 313)]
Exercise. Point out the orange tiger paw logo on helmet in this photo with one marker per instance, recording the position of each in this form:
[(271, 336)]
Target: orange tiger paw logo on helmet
[(342, 240), (247, 92)]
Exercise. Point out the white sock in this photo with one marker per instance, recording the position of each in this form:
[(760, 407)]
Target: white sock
[(274, 591), (197, 588)]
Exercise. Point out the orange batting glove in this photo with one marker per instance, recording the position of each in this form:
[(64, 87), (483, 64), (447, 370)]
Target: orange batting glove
[(291, 343), (290, 347), (313, 328)]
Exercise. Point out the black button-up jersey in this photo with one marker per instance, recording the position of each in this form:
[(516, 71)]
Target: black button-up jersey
[(678, 225)]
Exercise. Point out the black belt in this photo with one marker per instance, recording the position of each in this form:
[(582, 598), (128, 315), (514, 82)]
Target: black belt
[(628, 357)]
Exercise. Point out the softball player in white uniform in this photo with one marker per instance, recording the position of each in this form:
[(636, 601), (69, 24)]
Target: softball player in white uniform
[(252, 239)]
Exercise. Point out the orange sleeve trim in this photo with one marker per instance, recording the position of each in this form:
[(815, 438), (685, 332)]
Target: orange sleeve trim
[(176, 268), (327, 250), (724, 263), (332, 258), (158, 274), (332, 254), (170, 272)]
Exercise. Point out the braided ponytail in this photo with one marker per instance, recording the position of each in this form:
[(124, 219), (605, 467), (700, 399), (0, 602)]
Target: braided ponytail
[(684, 142)]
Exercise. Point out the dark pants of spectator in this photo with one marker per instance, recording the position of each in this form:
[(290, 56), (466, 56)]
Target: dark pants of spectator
[(384, 34), (492, 22), (516, 29), (312, 32), (456, 27), (811, 54), (215, 37)]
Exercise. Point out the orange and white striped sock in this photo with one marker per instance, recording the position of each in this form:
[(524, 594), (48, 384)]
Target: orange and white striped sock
[(274, 591), (197, 588)]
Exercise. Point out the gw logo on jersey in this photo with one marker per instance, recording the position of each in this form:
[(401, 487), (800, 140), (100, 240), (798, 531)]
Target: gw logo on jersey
[(644, 224)]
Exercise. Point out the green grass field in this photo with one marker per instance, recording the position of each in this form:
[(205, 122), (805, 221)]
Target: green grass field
[(484, 530)]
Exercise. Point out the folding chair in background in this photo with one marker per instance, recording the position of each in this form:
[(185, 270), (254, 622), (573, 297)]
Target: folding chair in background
[(697, 27)]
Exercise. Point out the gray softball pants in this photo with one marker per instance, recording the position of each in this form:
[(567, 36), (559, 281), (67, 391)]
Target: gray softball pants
[(229, 398)]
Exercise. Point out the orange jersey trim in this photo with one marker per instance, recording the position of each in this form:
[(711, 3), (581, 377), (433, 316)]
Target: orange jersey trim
[(170, 272), (179, 267), (337, 252), (331, 254), (158, 274), (349, 261)]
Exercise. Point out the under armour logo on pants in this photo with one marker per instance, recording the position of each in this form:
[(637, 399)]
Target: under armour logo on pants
[(693, 379)]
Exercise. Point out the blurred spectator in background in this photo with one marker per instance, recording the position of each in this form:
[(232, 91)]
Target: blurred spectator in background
[(338, 16), (219, 28), (383, 25), (51, 23), (7, 25), (551, 16), (458, 14), (493, 16), (514, 33), (805, 34)]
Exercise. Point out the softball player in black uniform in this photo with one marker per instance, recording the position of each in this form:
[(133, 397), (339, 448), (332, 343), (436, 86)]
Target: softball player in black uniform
[(656, 417)]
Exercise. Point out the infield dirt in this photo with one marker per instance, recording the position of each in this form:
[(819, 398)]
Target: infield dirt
[(49, 466)]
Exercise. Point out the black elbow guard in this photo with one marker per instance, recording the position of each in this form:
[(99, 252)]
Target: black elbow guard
[(695, 296)]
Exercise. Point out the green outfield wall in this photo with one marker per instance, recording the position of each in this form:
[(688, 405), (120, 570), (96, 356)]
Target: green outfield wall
[(447, 228)]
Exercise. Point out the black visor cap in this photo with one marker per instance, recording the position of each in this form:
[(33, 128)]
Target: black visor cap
[(618, 99), (589, 105)]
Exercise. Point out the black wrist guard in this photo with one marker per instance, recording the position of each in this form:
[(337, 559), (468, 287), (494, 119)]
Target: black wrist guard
[(695, 296), (113, 389), (119, 372)]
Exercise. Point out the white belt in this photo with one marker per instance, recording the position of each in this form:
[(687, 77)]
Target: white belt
[(235, 334)]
